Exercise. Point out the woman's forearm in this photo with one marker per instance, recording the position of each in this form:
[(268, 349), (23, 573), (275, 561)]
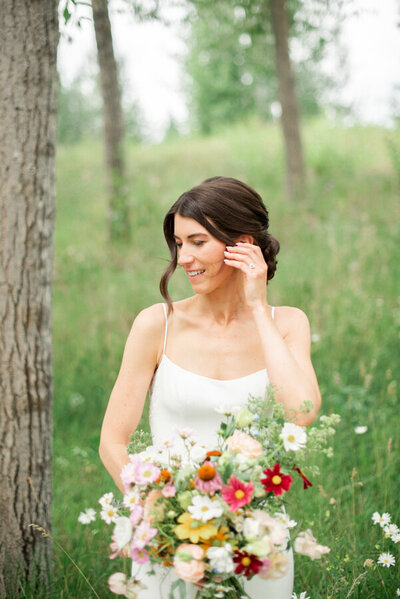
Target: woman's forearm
[(114, 457), (291, 383)]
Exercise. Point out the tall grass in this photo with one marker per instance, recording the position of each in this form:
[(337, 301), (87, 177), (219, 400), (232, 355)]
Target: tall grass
[(339, 262)]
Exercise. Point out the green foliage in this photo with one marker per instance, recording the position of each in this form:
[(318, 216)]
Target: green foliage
[(339, 261), (231, 59), (79, 112)]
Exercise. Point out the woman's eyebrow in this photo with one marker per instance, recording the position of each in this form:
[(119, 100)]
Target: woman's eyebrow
[(192, 235)]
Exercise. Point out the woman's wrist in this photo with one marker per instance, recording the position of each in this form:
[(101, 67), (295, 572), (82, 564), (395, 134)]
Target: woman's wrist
[(260, 307)]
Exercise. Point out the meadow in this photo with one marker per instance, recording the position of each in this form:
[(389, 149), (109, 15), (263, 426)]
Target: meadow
[(339, 262)]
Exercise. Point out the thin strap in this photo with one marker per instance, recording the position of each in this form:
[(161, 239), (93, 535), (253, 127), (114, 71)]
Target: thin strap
[(166, 326), (273, 311)]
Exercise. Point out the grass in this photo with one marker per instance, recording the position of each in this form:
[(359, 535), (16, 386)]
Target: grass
[(339, 261)]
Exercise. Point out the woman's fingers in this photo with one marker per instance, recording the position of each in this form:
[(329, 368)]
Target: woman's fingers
[(236, 263)]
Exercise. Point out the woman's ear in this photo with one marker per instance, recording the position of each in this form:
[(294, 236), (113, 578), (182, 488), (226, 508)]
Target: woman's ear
[(245, 239)]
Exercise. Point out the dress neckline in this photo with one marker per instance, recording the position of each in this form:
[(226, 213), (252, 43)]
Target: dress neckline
[(208, 378)]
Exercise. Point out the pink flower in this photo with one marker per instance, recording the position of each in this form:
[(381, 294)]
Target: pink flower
[(124, 552), (117, 583), (169, 490), (145, 473), (242, 443), (306, 544), (208, 480), (128, 476), (121, 585), (188, 562), (237, 494), (263, 571), (136, 514), (140, 556), (143, 534)]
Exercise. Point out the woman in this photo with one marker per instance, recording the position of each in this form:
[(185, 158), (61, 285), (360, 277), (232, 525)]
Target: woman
[(212, 349)]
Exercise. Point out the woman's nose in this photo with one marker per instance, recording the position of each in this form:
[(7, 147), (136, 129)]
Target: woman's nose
[(184, 257)]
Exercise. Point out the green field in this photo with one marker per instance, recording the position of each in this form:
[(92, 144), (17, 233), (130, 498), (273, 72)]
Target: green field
[(339, 262)]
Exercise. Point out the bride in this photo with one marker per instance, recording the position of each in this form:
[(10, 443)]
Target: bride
[(214, 348)]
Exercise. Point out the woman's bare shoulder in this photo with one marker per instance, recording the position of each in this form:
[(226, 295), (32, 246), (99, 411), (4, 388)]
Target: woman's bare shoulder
[(290, 318), (150, 321)]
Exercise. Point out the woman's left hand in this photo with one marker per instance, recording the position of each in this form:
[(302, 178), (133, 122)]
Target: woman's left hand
[(248, 258)]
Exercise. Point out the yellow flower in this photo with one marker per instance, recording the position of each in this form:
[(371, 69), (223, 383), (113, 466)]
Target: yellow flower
[(192, 529)]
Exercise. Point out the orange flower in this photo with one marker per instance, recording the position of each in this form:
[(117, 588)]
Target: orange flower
[(206, 472), (164, 476), (214, 452), (221, 537)]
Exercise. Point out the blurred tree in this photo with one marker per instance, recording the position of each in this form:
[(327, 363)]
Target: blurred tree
[(28, 93), (238, 63), (118, 213), (295, 173)]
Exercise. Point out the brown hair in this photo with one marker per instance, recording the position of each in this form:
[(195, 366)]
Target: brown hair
[(227, 208)]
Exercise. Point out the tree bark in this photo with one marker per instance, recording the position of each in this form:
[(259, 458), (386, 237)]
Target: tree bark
[(28, 96), (118, 214), (295, 173)]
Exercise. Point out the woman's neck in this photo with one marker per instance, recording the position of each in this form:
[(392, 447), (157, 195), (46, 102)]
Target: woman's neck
[(225, 303)]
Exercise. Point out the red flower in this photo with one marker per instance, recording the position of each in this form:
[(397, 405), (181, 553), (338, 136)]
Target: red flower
[(306, 482), (237, 493), (276, 481), (247, 563)]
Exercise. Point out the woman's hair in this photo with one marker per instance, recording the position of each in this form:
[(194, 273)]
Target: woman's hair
[(227, 208)]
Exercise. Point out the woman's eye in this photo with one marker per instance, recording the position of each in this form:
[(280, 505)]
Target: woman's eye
[(198, 242)]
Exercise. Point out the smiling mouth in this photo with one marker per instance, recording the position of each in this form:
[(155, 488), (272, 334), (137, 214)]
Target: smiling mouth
[(194, 273)]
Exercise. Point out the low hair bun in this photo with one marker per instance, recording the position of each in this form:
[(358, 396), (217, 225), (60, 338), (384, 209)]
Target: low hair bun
[(270, 251)]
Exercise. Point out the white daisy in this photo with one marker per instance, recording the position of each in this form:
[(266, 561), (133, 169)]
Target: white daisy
[(185, 433), (204, 508), (386, 559), (285, 519), (398, 592), (294, 437), (221, 558), (360, 430), (303, 595), (131, 499), (109, 514), (391, 529), (381, 520), (396, 537), (106, 500), (87, 516)]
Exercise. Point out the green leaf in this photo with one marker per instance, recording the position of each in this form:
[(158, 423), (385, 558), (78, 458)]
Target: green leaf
[(180, 585)]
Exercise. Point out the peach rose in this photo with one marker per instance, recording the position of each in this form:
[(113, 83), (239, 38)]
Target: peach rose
[(306, 544), (188, 562), (153, 510), (277, 567), (242, 443)]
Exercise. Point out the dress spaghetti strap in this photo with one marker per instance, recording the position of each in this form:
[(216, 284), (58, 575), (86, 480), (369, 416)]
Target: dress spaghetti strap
[(273, 312), (166, 326)]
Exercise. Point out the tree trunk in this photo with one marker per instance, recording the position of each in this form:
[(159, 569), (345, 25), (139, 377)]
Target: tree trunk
[(118, 214), (28, 96), (295, 174)]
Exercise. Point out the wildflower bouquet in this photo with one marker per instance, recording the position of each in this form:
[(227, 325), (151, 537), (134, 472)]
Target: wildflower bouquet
[(215, 514)]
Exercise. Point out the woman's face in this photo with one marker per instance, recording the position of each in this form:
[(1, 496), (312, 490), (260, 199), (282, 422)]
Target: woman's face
[(200, 254)]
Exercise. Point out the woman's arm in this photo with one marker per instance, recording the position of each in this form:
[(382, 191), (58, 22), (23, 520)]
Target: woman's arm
[(288, 359), (142, 350), (285, 341)]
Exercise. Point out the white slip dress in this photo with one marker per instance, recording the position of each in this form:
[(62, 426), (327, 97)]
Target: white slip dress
[(180, 398)]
